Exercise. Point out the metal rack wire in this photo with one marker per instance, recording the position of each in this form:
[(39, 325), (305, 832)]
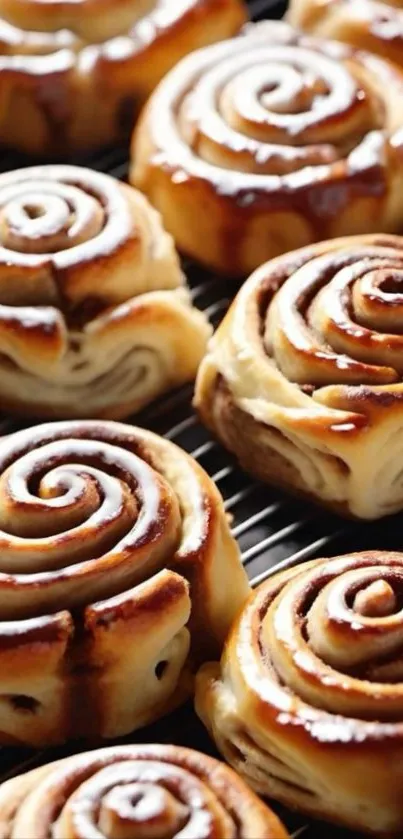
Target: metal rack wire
[(273, 529)]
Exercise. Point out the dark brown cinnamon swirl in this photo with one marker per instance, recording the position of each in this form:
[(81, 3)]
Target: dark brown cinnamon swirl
[(307, 703), (271, 141), (303, 380), (115, 553), (95, 317)]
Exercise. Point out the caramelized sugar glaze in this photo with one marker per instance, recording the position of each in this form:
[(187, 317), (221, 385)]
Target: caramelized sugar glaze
[(73, 74), (372, 25), (115, 554), (303, 380), (95, 318), (270, 141), (307, 703), (138, 792)]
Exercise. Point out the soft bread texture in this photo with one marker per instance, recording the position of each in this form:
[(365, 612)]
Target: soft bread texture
[(115, 557), (270, 141), (95, 316), (135, 792), (307, 703), (73, 75), (303, 379), (367, 24)]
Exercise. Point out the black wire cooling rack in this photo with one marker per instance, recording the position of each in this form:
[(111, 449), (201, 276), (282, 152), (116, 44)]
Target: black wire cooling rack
[(272, 529)]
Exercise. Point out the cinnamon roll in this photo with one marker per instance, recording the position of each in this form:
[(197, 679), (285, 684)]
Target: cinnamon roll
[(73, 75), (303, 380), (307, 703), (95, 317), (115, 556), (271, 141), (138, 792), (367, 24)]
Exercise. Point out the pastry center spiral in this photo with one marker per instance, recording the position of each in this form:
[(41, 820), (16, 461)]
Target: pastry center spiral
[(335, 636), (140, 809), (135, 792), (139, 799), (47, 218), (59, 220), (272, 110), (339, 318), (85, 514), (378, 600)]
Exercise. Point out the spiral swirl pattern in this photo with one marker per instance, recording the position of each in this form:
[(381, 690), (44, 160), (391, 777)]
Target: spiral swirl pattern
[(91, 517), (303, 380), (74, 75), (282, 139), (135, 792), (373, 25), (308, 700), (94, 316)]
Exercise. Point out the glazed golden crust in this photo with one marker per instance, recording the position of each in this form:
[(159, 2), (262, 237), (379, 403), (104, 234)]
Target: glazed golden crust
[(74, 75), (307, 703), (136, 792), (303, 379), (271, 141), (95, 317), (115, 554), (371, 25)]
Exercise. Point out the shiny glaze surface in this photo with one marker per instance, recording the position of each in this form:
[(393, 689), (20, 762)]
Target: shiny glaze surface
[(266, 120), (308, 700), (327, 315), (328, 647), (113, 547), (270, 124), (338, 318), (84, 505), (307, 364)]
